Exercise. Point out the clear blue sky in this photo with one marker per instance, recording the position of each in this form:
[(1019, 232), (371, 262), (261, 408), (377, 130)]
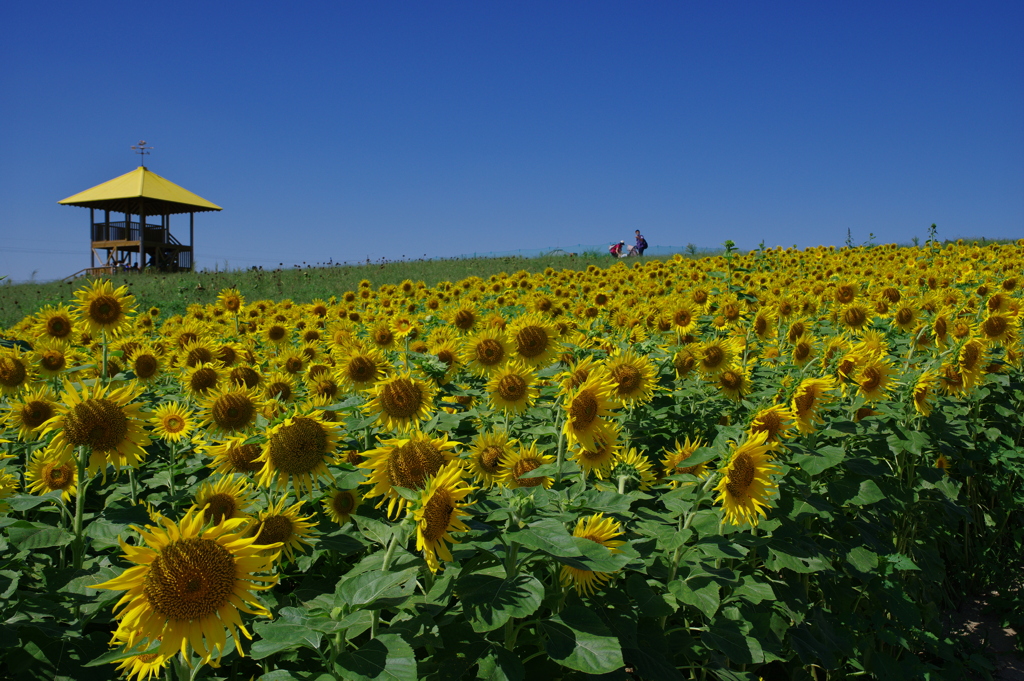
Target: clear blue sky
[(350, 130)]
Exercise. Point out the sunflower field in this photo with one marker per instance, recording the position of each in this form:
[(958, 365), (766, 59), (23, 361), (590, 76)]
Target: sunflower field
[(775, 465)]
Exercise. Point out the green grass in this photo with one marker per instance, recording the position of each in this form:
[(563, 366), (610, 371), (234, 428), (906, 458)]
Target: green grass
[(172, 293)]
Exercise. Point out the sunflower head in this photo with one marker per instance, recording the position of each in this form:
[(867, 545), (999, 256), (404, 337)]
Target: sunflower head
[(601, 530), (230, 410), (487, 455), (632, 470), (104, 309), (523, 461), (405, 462), (172, 421), (674, 462), (282, 526), (226, 498), (513, 388), (401, 402), (439, 512), (298, 449), (47, 472), (340, 504), (745, 485)]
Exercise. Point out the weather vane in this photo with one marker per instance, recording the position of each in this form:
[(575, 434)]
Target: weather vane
[(142, 150)]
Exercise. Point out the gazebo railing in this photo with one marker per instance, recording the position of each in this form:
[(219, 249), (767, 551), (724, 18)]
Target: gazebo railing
[(130, 231)]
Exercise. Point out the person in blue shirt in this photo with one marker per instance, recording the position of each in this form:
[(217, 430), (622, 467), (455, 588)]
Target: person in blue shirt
[(641, 243)]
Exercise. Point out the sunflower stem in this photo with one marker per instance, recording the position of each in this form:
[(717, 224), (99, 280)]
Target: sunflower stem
[(135, 490), (561, 447), (622, 483), (103, 368), (78, 547)]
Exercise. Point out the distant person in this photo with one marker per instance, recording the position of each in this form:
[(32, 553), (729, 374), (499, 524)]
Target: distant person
[(641, 243), (616, 249)]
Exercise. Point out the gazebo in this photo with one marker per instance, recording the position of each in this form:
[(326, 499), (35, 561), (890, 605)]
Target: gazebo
[(140, 195)]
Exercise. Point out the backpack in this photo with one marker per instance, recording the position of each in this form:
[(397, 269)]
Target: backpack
[(643, 242)]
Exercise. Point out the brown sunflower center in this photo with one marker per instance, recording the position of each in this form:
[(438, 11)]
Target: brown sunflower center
[(36, 412), (361, 369), (197, 356), (464, 319), (281, 390), (682, 317), (343, 503), (243, 458), (402, 398), (203, 379), (700, 296), (299, 447), (713, 356), (145, 366), (512, 388), (970, 356), (276, 333), (489, 352), (437, 514), (802, 351), (58, 326), (805, 402), (854, 317), (446, 356), (731, 311), (53, 360), (730, 380), (769, 422), (411, 464), (233, 411), (105, 310), (740, 476), (490, 459), (383, 336), (274, 529), (58, 476), (904, 316), (246, 376), (293, 365), (97, 422), (583, 409), (532, 341), (870, 379), (326, 388), (173, 423), (994, 326), (190, 580), (760, 325), (845, 293), (683, 362), (524, 466), (220, 506), (628, 378), (12, 371)]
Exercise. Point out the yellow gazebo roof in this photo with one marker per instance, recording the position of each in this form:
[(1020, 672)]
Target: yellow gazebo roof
[(138, 191)]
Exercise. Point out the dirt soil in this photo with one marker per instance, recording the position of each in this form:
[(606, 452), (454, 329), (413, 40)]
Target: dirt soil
[(1002, 646)]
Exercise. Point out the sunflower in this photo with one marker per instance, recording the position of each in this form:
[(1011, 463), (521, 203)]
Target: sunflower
[(53, 357), (765, 324), (684, 361), (146, 364), (16, 371), (29, 411), (45, 473), (291, 362), (734, 383), (585, 408), (8, 487), (231, 300), (55, 322), (632, 471), (245, 377), (102, 308), (804, 350), (299, 448), (534, 341), (714, 356), (745, 487), (512, 388), (577, 374), (201, 379), (810, 396), (279, 386), (464, 318), (873, 379), (971, 360), (924, 392), (276, 333), (439, 512), (634, 377), (487, 455), (401, 402), (143, 666), (235, 455), (777, 421), (405, 462), (674, 462), (602, 456), (198, 351), (340, 504), (522, 461), (854, 316), (229, 411), (171, 422), (684, 319), (382, 336), (227, 498), (103, 419), (485, 352), (953, 381), (906, 316), (599, 529), (282, 526), (999, 328), (188, 585)]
